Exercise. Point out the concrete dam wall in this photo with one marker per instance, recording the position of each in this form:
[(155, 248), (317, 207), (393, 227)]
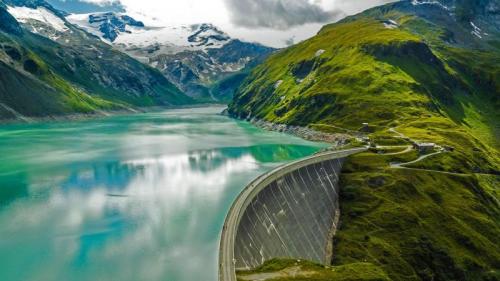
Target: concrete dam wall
[(290, 212), (292, 217)]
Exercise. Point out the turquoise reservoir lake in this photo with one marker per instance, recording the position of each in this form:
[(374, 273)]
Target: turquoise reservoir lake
[(136, 197)]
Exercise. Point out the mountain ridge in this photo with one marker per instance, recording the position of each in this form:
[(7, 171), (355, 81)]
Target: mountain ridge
[(80, 73), (195, 57)]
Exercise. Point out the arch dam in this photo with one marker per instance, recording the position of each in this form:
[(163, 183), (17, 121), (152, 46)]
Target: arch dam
[(290, 212)]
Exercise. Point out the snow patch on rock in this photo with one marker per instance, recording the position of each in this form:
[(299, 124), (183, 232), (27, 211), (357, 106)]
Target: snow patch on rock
[(390, 24), (477, 31), (319, 52), (41, 14), (429, 2)]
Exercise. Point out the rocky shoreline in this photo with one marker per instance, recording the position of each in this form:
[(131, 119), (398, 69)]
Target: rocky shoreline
[(336, 140), (304, 132)]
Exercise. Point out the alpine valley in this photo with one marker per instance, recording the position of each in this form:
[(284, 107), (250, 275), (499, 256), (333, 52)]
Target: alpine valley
[(200, 59), (407, 93), (54, 63), (50, 67)]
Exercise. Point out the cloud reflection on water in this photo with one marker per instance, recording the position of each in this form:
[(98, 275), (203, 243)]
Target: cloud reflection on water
[(158, 208), (130, 198)]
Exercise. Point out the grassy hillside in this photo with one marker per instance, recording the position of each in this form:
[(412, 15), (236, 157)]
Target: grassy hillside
[(22, 94), (408, 77), (418, 225), (416, 71)]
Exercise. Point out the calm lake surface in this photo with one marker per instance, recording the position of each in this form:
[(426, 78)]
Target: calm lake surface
[(139, 197)]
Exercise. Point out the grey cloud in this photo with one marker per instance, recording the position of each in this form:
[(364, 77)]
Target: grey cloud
[(277, 14), (290, 41)]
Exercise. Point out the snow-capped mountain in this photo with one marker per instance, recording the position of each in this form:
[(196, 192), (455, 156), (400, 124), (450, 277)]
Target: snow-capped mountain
[(55, 67), (126, 32), (40, 19), (194, 57), (40, 14), (111, 24)]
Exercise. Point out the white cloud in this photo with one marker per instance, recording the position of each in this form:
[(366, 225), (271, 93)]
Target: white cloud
[(275, 33), (175, 11), (273, 37)]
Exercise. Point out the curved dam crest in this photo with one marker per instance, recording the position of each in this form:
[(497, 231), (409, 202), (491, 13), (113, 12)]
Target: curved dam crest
[(290, 212)]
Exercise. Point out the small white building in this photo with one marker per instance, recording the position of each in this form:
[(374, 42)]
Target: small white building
[(424, 147)]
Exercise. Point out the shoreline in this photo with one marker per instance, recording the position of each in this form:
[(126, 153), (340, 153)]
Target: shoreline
[(336, 140), (306, 133), (98, 114)]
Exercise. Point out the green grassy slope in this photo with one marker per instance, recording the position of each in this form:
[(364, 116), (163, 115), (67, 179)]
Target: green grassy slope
[(299, 270), (401, 77), (29, 88), (384, 75), (417, 225), (29, 96), (433, 81), (399, 224)]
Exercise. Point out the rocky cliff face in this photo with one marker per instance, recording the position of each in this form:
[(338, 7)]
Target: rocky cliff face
[(112, 24), (196, 72)]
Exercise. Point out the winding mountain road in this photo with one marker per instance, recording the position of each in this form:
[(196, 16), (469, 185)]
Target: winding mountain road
[(420, 158)]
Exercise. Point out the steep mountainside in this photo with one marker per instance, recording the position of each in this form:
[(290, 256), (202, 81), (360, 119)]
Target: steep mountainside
[(385, 67), (416, 72), (196, 58), (50, 67)]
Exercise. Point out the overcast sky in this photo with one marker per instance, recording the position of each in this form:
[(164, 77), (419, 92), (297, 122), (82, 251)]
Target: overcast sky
[(271, 22)]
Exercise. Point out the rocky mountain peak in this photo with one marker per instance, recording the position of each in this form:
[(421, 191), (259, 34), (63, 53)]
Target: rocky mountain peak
[(112, 24), (206, 34)]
